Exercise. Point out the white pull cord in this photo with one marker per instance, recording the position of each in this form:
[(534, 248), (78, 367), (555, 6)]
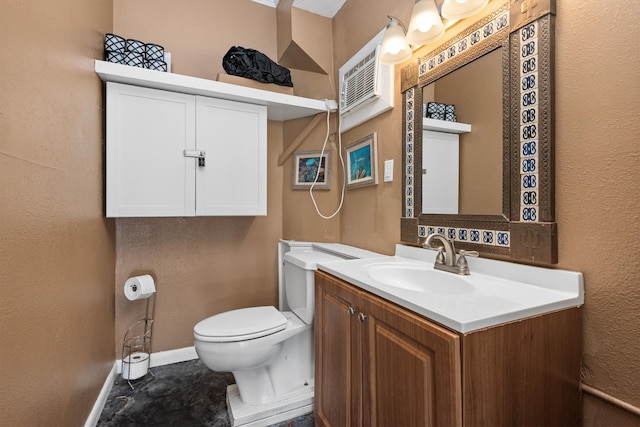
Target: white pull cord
[(344, 178)]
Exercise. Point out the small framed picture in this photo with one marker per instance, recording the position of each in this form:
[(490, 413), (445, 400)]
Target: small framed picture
[(307, 165), (362, 162)]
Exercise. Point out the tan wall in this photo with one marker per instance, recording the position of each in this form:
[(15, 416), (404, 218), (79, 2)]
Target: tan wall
[(203, 266), (597, 152), (57, 252), (300, 219), (597, 106), (199, 33), (370, 217), (60, 282)]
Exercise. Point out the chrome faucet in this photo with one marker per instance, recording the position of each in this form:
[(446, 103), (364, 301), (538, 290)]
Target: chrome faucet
[(447, 260)]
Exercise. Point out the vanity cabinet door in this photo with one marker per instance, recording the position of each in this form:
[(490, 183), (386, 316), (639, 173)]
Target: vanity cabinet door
[(379, 365), (337, 346), (411, 368), (147, 132)]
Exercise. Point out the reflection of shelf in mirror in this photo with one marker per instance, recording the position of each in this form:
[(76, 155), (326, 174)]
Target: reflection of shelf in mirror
[(445, 126)]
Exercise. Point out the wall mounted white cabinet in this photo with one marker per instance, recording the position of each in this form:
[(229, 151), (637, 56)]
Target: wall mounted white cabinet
[(175, 154), (153, 117)]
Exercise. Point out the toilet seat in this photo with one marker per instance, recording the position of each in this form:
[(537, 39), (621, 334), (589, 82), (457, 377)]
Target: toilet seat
[(241, 324)]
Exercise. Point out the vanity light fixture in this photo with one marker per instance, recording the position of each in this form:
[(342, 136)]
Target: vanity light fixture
[(426, 25), (459, 9), (395, 48)]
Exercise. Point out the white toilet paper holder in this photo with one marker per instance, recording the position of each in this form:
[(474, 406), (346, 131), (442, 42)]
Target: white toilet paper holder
[(136, 346)]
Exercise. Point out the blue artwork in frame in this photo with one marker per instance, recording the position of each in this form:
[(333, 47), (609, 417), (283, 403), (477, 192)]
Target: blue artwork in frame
[(362, 162), (310, 170)]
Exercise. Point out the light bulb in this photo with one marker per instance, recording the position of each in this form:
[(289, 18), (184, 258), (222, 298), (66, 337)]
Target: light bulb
[(395, 48), (460, 9), (425, 26)]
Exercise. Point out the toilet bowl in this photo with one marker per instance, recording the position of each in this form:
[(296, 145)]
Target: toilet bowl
[(257, 356), (269, 352)]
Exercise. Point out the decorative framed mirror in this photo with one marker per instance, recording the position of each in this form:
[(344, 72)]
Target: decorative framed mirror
[(492, 164)]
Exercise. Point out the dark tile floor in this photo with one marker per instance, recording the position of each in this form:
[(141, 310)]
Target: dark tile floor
[(185, 394)]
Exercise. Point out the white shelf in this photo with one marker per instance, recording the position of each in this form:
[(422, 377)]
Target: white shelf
[(445, 126), (279, 106)]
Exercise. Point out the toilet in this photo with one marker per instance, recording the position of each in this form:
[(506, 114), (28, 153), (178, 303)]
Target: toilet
[(269, 351)]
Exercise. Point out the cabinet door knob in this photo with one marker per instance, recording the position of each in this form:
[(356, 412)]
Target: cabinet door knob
[(362, 317), (351, 311)]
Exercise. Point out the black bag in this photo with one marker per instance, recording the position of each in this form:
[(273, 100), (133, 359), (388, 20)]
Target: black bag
[(255, 65)]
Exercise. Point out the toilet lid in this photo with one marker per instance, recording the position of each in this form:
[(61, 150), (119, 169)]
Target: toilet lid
[(241, 324)]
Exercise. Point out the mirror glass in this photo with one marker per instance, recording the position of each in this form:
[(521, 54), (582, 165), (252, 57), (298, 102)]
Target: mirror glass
[(476, 92)]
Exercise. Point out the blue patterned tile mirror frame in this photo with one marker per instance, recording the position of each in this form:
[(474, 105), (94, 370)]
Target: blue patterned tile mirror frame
[(526, 229)]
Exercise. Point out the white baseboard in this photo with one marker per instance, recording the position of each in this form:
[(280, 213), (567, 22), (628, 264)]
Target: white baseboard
[(160, 358), (98, 406), (178, 355), (168, 357)]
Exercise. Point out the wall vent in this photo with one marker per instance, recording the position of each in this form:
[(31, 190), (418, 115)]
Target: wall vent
[(359, 82), (366, 85)]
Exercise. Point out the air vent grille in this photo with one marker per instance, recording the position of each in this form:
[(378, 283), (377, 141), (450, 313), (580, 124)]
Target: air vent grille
[(359, 82)]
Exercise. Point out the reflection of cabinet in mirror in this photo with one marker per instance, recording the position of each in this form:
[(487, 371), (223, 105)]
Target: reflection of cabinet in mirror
[(476, 91), (441, 165)]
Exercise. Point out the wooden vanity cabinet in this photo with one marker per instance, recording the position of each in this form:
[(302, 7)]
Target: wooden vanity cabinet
[(378, 364)]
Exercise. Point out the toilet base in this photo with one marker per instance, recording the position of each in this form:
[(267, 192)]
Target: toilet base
[(291, 405)]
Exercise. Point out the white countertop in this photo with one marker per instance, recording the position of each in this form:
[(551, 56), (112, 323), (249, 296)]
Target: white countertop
[(498, 291)]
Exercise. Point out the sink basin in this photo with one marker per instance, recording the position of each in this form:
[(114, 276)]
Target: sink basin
[(417, 278), (494, 293)]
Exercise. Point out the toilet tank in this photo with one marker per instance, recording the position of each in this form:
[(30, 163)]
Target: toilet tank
[(299, 268)]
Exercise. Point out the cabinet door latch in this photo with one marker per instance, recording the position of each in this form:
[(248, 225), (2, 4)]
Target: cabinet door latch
[(199, 154)]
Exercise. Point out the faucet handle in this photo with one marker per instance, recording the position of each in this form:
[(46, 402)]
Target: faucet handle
[(463, 253), (462, 264)]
